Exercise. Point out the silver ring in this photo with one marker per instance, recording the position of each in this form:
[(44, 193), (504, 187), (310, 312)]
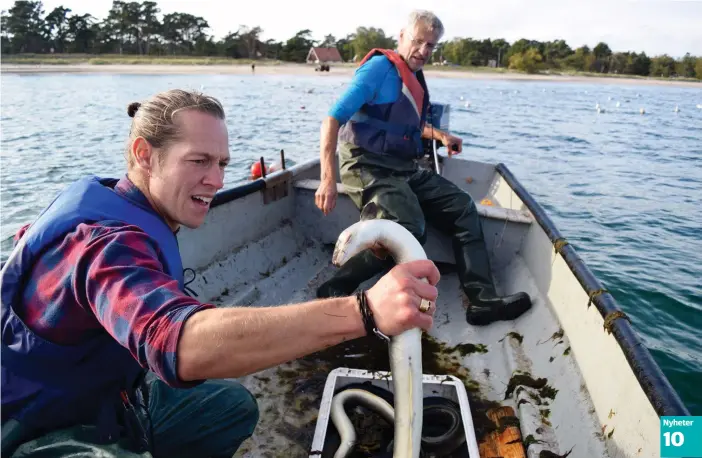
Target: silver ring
[(424, 306)]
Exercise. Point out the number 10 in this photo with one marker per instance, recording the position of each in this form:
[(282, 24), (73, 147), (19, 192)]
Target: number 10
[(677, 439)]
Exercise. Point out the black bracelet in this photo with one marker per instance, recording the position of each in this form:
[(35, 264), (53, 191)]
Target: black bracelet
[(367, 315)]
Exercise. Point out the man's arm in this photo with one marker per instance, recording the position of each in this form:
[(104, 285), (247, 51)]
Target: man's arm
[(325, 196), (238, 341), (447, 139), (363, 89), (184, 341)]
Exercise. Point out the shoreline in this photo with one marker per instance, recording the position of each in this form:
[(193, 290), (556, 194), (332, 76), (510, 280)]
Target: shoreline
[(308, 69)]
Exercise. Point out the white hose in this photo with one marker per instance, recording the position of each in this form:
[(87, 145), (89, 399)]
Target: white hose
[(343, 423), (405, 348)]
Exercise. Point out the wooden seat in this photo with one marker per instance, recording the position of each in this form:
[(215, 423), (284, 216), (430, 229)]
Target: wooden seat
[(486, 211)]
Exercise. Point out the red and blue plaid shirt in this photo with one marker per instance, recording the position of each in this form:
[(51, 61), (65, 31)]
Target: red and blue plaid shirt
[(106, 277)]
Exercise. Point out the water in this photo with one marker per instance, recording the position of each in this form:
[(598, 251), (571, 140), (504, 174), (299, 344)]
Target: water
[(624, 189)]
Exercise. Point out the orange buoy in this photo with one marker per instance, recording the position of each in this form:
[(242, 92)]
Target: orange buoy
[(256, 170)]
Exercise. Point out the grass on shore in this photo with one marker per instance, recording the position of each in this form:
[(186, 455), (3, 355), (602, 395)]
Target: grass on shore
[(117, 59)]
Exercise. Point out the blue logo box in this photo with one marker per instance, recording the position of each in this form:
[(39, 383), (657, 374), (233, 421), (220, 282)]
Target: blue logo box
[(681, 437)]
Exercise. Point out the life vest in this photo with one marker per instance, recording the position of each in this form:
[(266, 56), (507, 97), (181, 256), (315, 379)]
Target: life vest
[(392, 128), (46, 385)]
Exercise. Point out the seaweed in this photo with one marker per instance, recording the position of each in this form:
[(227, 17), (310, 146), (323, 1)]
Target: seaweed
[(611, 317), (468, 348), (515, 335)]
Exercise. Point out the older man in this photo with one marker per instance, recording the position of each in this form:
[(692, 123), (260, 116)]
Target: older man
[(383, 118)]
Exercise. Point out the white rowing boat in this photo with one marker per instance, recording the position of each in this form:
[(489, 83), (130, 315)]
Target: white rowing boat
[(574, 371)]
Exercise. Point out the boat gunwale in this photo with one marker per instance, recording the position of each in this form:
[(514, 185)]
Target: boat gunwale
[(658, 389)]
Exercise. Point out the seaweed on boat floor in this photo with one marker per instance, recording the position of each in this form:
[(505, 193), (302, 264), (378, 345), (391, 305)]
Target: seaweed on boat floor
[(372, 354), (514, 335), (523, 379)]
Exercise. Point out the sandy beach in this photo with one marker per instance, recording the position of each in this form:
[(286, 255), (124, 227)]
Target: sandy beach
[(337, 70)]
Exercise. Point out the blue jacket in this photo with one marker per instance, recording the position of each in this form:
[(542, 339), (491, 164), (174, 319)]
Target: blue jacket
[(71, 384), (392, 128)]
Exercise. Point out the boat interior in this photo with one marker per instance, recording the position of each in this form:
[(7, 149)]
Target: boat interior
[(562, 376)]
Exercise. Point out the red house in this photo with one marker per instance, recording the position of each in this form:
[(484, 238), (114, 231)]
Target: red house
[(323, 55)]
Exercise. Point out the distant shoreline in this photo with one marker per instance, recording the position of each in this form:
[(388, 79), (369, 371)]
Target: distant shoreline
[(266, 68)]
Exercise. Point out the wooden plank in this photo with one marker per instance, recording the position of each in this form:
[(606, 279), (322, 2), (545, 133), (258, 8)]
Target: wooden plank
[(506, 441), (487, 211)]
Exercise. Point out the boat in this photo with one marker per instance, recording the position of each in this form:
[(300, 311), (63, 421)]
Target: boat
[(571, 377)]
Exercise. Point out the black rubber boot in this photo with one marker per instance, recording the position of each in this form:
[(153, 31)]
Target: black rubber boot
[(485, 305), (358, 269)]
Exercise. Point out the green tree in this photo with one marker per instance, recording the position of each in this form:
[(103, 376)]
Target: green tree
[(556, 51), (528, 61), (663, 66), (345, 47), (57, 28), (24, 27), (297, 47), (81, 34), (638, 64), (328, 42), (580, 59), (687, 66), (366, 39)]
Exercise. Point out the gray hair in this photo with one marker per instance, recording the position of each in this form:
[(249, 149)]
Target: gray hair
[(428, 20)]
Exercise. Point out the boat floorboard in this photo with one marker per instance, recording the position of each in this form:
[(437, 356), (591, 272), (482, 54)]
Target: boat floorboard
[(557, 414)]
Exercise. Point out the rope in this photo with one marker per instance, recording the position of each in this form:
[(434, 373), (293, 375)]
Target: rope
[(559, 244), (594, 293), (609, 320)]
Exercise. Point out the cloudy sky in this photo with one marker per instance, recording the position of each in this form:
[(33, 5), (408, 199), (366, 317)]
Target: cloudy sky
[(653, 26)]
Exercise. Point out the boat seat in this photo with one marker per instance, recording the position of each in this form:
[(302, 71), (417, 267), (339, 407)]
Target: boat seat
[(486, 211)]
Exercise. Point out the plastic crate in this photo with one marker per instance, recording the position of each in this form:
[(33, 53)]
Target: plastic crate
[(434, 385)]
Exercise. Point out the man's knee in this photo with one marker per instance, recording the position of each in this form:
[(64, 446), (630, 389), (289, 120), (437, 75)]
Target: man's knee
[(406, 216), (233, 396)]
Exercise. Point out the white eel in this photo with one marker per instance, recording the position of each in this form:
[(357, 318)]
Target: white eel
[(405, 348), (343, 423)]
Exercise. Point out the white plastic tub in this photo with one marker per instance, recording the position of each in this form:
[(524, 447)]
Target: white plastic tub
[(446, 386)]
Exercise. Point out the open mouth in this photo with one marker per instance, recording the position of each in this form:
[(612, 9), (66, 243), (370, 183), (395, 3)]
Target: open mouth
[(202, 201)]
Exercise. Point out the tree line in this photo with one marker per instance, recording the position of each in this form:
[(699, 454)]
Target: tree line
[(139, 28)]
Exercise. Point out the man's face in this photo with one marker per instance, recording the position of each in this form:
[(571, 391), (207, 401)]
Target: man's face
[(192, 169), (416, 46)]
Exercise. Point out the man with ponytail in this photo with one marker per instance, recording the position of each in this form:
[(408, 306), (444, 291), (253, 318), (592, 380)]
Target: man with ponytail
[(103, 353)]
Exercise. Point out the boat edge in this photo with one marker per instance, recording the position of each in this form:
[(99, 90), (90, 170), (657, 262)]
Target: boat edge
[(658, 389)]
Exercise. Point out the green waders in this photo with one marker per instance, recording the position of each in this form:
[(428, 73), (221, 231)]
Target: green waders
[(406, 194)]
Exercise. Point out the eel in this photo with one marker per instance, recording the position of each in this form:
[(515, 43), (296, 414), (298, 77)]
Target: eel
[(382, 235)]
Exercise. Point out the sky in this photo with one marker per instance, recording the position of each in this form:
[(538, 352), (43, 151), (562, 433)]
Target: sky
[(653, 26)]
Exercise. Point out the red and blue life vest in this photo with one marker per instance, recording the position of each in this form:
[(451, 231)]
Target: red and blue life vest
[(392, 128), (45, 385)]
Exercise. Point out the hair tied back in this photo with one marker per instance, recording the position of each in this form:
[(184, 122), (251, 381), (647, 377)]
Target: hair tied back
[(132, 108)]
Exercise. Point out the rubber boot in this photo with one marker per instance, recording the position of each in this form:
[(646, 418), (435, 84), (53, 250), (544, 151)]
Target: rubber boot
[(485, 305), (364, 266)]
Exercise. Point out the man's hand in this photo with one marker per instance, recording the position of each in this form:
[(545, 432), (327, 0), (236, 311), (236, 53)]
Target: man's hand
[(395, 298), (449, 141), (325, 197)]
